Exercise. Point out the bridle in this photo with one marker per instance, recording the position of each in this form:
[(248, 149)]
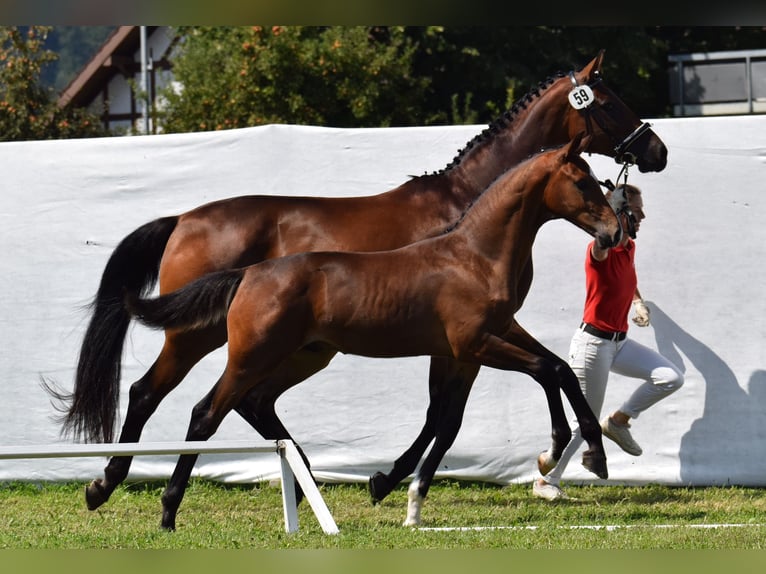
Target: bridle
[(581, 98)]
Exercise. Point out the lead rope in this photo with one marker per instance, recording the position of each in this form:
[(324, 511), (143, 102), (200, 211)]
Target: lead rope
[(623, 174)]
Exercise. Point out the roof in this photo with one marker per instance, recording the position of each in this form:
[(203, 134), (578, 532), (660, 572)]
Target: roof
[(115, 55)]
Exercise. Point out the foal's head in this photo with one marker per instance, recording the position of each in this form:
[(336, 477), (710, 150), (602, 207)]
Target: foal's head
[(573, 193)]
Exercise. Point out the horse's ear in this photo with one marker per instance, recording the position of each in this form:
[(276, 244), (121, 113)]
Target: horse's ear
[(593, 67), (577, 145)]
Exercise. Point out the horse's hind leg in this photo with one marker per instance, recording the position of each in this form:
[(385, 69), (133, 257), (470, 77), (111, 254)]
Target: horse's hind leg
[(258, 407), (199, 429), (179, 354), (206, 417), (442, 374), (449, 420)]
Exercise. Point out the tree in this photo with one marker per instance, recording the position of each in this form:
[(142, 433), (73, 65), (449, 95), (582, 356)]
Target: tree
[(340, 76), (415, 75), (27, 110)]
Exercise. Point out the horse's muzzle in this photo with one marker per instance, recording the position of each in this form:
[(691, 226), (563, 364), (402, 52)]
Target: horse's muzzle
[(605, 241)]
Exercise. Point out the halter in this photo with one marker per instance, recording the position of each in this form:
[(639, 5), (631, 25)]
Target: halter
[(581, 98), (626, 208)]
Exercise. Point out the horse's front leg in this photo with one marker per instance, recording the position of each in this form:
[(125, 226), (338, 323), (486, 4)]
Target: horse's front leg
[(518, 351), (454, 397), (443, 374), (594, 458)]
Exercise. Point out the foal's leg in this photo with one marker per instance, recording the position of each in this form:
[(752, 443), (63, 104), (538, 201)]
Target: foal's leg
[(179, 354), (450, 418), (205, 420), (199, 429), (258, 407), (444, 373), (519, 351)]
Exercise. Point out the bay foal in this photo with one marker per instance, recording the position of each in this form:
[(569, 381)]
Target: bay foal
[(454, 295)]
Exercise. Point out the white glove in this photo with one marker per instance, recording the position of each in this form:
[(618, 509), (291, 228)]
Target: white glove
[(641, 316)]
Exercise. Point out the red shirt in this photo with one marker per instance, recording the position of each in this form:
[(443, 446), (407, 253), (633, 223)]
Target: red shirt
[(609, 288)]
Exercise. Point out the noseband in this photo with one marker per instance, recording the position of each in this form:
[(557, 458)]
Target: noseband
[(581, 98)]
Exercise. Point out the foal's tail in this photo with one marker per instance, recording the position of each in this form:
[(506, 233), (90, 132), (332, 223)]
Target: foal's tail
[(199, 304), (132, 267)]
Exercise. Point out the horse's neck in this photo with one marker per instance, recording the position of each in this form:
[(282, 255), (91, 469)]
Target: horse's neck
[(502, 226), (540, 125)]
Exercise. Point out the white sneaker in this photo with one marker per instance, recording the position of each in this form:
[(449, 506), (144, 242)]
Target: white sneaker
[(621, 435), (547, 491)]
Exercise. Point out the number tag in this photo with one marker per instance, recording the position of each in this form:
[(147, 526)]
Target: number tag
[(581, 97)]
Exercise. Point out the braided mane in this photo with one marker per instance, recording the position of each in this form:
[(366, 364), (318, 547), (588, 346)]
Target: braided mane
[(500, 123)]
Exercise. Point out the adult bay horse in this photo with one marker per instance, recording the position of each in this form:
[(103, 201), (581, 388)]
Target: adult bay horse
[(244, 230), (454, 295)]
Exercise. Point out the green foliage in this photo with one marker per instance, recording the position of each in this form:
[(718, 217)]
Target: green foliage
[(27, 110), (340, 76)]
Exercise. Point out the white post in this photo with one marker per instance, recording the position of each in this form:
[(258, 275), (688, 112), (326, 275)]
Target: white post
[(310, 490), (289, 503), (144, 81)]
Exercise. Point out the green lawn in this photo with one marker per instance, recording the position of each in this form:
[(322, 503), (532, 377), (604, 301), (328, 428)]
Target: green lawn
[(456, 515)]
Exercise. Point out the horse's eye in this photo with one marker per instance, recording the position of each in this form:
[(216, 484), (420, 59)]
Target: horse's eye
[(608, 106)]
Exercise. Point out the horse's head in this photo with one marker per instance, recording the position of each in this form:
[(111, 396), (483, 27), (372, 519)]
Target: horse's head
[(615, 129), (573, 193)]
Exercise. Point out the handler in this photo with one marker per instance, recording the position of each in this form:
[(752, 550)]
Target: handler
[(600, 344)]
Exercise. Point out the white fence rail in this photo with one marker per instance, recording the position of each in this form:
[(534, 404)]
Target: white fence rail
[(291, 464)]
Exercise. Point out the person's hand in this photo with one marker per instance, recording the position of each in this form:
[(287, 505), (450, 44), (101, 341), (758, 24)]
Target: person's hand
[(641, 313)]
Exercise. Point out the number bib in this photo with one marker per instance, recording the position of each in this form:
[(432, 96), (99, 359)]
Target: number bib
[(581, 97)]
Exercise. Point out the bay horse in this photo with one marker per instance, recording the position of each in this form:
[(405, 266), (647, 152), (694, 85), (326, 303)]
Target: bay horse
[(243, 230), (453, 295)]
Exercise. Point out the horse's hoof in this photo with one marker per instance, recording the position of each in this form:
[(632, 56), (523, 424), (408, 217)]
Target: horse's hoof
[(378, 487), (595, 463), (168, 522), (95, 494), (546, 462)]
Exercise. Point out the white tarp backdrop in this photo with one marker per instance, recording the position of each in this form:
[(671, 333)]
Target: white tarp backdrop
[(64, 205)]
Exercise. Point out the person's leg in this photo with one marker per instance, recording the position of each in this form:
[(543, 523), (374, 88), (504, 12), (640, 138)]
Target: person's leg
[(660, 379), (590, 358)]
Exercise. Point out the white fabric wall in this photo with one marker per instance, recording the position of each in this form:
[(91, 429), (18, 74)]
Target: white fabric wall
[(64, 205)]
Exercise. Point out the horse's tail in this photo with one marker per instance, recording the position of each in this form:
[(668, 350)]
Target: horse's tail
[(199, 304), (132, 267)]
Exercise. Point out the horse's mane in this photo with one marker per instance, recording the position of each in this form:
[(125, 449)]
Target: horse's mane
[(501, 123), (455, 224)]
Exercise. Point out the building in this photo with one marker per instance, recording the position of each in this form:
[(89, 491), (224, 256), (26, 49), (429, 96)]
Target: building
[(718, 83), (110, 85)]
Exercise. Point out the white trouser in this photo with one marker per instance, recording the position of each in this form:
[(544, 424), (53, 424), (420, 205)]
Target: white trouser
[(593, 358)]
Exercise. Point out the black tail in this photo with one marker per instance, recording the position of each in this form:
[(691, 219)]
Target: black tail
[(201, 303), (133, 267)]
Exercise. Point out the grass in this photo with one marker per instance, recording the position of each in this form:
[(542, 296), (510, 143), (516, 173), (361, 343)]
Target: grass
[(215, 516)]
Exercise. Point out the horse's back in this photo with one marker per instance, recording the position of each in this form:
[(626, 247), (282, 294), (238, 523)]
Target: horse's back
[(244, 230)]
